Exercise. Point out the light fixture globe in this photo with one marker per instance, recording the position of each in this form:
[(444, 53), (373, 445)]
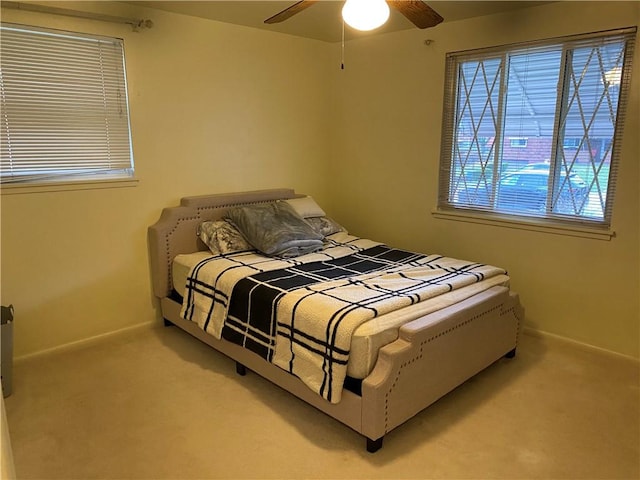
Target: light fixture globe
[(365, 14), (613, 76)]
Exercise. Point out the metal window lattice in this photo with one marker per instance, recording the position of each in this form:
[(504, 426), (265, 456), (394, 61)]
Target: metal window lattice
[(564, 98), (478, 80)]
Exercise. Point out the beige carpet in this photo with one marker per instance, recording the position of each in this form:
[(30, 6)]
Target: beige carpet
[(159, 404)]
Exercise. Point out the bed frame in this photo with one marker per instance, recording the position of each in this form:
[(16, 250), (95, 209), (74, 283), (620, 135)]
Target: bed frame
[(432, 356)]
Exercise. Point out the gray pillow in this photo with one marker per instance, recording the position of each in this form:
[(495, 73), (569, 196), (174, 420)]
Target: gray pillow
[(275, 229)]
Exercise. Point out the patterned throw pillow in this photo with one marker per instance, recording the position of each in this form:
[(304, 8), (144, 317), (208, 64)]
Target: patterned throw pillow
[(221, 237), (325, 225)]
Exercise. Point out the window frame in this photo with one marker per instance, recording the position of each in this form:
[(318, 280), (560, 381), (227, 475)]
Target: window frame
[(113, 161), (582, 226)]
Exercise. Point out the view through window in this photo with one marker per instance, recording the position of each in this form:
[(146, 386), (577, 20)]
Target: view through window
[(534, 130)]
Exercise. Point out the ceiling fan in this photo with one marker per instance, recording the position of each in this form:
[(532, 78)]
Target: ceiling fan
[(416, 11)]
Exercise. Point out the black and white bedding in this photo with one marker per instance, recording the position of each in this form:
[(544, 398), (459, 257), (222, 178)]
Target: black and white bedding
[(300, 313)]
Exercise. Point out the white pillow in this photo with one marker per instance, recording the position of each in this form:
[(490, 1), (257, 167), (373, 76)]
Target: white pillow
[(306, 207)]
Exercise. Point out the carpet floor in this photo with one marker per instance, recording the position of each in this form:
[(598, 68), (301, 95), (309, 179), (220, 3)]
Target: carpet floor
[(158, 404)]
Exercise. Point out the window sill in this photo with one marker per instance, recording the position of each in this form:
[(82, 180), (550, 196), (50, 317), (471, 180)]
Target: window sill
[(14, 189), (538, 225)]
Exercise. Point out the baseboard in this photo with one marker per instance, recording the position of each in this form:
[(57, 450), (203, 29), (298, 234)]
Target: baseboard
[(533, 332), (87, 341)]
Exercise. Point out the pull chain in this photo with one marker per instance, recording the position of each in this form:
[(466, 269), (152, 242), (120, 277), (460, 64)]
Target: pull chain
[(342, 49)]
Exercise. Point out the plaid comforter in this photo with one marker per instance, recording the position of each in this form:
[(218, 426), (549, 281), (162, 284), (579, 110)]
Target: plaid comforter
[(300, 313)]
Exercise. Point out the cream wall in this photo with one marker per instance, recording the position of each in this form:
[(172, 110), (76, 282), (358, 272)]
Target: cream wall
[(214, 108), (385, 162), (218, 107)]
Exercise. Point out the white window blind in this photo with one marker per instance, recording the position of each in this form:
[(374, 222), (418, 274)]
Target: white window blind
[(64, 106), (534, 129)]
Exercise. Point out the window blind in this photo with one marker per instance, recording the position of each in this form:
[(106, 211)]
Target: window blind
[(534, 129), (64, 106)]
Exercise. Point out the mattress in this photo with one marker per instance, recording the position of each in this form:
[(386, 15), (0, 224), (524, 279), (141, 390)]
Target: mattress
[(369, 337)]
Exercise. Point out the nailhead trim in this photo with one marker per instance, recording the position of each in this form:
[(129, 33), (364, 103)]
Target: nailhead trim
[(420, 353), (169, 254)]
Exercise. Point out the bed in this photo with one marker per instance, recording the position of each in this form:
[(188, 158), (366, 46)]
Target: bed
[(395, 362)]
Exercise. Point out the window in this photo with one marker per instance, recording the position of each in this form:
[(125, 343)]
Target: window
[(534, 130), (64, 107)]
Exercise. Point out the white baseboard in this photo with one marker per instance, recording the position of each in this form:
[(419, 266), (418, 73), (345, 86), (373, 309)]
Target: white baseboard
[(147, 325), (87, 341), (533, 332)]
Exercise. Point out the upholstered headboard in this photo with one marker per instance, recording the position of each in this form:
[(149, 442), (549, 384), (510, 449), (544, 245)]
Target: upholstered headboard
[(175, 232)]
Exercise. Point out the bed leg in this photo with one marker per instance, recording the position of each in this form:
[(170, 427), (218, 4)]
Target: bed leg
[(241, 369), (167, 323), (511, 354), (374, 445)]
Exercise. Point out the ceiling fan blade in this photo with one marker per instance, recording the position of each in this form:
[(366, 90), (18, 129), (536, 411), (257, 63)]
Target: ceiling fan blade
[(418, 12), (290, 11)]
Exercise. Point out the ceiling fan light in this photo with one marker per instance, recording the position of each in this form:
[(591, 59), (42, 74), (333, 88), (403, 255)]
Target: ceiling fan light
[(365, 14)]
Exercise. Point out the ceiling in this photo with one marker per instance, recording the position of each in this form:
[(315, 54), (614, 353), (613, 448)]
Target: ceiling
[(322, 21)]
